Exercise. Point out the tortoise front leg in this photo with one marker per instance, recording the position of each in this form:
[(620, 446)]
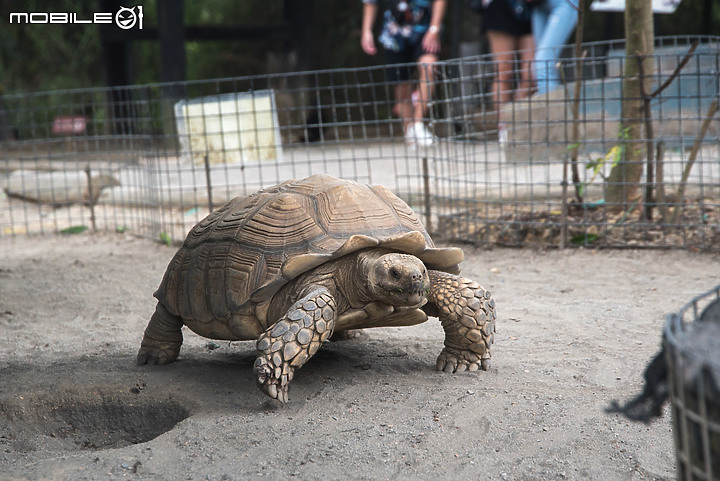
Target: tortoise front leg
[(467, 314), (292, 340)]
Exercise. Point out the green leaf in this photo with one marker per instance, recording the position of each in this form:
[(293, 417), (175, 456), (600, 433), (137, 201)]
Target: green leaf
[(572, 147), (584, 238), (76, 229), (593, 164), (165, 238)]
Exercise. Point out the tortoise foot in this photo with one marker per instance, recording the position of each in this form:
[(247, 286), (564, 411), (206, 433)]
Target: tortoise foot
[(269, 382), (162, 340), (454, 360), (162, 354), (291, 341), (467, 314)]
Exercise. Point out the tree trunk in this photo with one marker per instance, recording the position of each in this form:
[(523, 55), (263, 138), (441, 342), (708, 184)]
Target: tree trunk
[(623, 185)]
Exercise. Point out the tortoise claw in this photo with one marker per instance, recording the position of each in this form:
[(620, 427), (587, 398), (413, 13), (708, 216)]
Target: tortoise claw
[(451, 360), (274, 386), (162, 339), (156, 355)]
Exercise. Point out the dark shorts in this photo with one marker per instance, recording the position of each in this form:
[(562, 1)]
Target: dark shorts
[(401, 65), (498, 16)]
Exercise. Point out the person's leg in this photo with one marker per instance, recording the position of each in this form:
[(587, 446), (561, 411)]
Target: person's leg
[(539, 17), (426, 78), (552, 25), (502, 46), (403, 103), (398, 74), (416, 132), (526, 53)]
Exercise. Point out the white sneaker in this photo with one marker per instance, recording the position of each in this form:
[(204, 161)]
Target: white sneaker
[(502, 135), (417, 134)]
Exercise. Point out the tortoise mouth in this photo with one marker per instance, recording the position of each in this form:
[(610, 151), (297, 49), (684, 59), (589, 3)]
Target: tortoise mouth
[(414, 297)]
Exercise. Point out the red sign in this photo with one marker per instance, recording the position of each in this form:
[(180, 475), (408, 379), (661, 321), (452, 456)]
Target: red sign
[(69, 125)]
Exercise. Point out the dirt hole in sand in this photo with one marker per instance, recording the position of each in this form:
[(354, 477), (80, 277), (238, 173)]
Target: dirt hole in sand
[(90, 420)]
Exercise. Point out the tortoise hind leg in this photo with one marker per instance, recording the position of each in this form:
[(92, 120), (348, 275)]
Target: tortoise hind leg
[(163, 338), (348, 335), (467, 314), (292, 340)]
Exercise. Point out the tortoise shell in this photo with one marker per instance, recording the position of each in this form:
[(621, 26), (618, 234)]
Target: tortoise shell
[(245, 251)]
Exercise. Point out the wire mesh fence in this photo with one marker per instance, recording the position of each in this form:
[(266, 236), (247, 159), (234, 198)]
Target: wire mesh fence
[(691, 351), (154, 159)]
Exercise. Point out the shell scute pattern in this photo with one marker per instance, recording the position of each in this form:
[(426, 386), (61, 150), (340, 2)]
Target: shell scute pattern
[(402, 212), (282, 225), (204, 229), (241, 247), (340, 210)]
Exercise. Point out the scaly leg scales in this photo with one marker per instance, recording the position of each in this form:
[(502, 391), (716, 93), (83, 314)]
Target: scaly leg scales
[(292, 340), (467, 314)]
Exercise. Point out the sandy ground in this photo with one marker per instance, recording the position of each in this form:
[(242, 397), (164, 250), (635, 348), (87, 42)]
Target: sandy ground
[(575, 330)]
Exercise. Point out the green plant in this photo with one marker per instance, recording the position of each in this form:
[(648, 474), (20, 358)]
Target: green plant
[(165, 238), (76, 229), (585, 239), (615, 155)]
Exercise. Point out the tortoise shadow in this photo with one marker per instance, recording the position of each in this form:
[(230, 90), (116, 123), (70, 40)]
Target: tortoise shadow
[(201, 381)]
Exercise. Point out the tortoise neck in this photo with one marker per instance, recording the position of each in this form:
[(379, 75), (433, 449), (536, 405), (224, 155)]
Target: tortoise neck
[(351, 278)]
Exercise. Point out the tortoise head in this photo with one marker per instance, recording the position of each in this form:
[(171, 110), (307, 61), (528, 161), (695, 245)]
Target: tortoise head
[(399, 280)]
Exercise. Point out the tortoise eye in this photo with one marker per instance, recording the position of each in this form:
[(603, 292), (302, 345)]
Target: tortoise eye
[(394, 272)]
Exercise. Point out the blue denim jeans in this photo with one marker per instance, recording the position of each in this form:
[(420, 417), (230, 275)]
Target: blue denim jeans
[(552, 24)]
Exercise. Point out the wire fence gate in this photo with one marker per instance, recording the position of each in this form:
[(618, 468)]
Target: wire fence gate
[(154, 159)]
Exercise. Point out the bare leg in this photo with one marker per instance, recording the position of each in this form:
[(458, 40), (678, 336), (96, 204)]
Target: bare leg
[(292, 340), (426, 78), (526, 47), (467, 314), (502, 45), (163, 338), (403, 103)]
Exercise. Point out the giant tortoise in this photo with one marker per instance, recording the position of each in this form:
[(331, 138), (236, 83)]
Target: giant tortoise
[(294, 264)]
